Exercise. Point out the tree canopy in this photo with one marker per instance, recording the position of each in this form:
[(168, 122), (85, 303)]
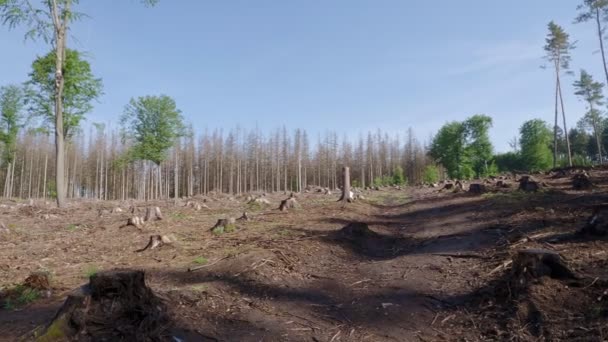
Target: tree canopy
[(154, 123)]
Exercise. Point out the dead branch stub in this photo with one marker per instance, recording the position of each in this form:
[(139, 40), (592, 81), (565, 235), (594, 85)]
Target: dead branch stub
[(245, 217)]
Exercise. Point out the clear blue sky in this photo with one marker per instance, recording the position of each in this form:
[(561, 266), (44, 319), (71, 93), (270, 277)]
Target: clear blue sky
[(344, 65)]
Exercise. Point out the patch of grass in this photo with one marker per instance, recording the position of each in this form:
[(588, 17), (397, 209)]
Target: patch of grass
[(72, 227), (178, 216), (285, 232), (255, 206), (20, 296), (218, 230), (224, 229), (200, 288), (91, 271), (200, 260)]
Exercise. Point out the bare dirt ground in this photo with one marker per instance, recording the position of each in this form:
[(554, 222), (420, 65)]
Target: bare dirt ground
[(431, 272)]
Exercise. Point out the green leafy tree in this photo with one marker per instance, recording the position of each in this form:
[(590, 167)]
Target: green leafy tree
[(579, 139), (509, 161), (558, 48), (449, 148), (12, 119), (479, 146), (430, 174), (596, 10), (398, 176), (80, 89), (535, 142), (590, 91), (154, 123), (49, 21)]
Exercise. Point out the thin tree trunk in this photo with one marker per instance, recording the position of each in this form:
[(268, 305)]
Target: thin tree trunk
[(559, 87), (601, 38)]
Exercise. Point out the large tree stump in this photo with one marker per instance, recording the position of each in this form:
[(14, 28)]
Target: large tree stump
[(528, 184), (581, 181), (530, 264), (289, 203), (477, 188), (225, 225), (448, 186), (153, 213), (114, 306)]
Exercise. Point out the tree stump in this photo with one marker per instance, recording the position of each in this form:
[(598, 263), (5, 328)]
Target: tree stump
[(597, 224), (157, 241), (245, 217), (502, 184), (225, 225), (581, 181), (448, 186), (116, 210), (135, 221), (289, 203), (114, 306), (260, 200), (153, 213), (357, 230), (458, 186), (347, 195), (531, 264), (477, 188), (528, 184)]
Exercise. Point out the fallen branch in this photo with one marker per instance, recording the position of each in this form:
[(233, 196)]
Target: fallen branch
[(192, 269)]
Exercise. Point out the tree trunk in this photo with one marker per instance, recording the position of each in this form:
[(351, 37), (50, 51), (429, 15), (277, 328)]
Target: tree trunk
[(601, 38), (346, 194), (559, 87), (556, 114)]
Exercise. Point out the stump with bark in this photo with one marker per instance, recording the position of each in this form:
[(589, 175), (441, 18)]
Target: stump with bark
[(225, 225), (245, 217), (117, 210), (477, 188), (347, 195), (114, 306), (289, 203), (530, 264), (153, 214), (448, 186), (528, 184), (581, 181), (135, 221), (157, 241), (502, 184), (458, 186), (597, 224)]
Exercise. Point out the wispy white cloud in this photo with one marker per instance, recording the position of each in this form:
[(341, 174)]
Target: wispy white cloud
[(489, 56)]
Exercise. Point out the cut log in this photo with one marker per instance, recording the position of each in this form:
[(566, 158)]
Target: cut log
[(528, 184), (134, 221), (225, 225), (477, 188), (529, 264), (153, 213), (581, 181), (157, 241), (289, 203), (114, 306)]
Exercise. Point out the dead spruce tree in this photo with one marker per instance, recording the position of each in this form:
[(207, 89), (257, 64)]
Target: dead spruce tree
[(347, 195)]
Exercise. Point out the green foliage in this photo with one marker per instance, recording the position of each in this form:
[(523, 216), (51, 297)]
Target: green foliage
[(398, 176), (19, 296), (464, 148), (535, 145), (588, 10), (430, 174), (200, 260), (154, 123), (558, 46), (80, 89), (12, 102), (91, 270), (356, 183), (509, 161), (382, 181)]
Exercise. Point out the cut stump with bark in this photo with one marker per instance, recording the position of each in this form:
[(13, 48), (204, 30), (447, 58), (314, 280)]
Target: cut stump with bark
[(581, 181), (153, 213), (225, 225), (597, 224), (529, 264), (289, 203), (347, 195), (114, 306), (135, 221), (528, 184), (477, 188), (157, 241)]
